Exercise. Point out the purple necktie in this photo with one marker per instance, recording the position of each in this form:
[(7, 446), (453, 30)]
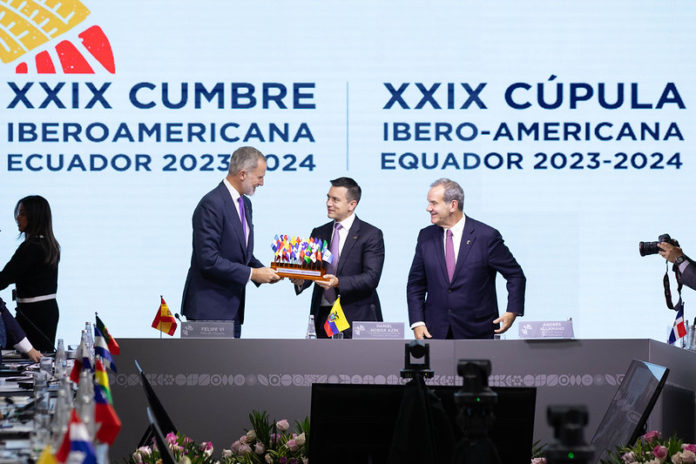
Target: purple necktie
[(449, 255), (242, 216), (330, 293)]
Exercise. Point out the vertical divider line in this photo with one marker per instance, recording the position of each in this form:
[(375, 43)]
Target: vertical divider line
[(347, 127)]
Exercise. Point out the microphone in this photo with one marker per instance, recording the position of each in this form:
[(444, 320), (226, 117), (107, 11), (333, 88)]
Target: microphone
[(176, 315)]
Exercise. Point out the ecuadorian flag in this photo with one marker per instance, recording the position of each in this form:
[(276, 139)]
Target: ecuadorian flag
[(336, 322)]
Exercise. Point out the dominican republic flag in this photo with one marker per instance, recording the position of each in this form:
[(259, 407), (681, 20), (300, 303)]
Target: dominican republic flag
[(77, 446), (679, 328)]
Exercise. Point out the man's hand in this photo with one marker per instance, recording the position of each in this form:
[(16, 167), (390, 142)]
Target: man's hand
[(330, 281), (264, 275), (505, 321), (421, 332), (34, 355), (669, 251)]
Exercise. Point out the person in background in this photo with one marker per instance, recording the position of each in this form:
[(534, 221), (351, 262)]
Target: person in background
[(12, 335), (34, 271), (686, 266)]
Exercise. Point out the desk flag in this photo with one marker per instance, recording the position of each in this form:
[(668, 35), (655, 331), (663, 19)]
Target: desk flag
[(164, 321), (82, 361), (104, 413), (47, 456), (102, 350), (110, 341), (679, 327), (76, 446), (336, 321)]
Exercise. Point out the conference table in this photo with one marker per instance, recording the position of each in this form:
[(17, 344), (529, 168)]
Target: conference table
[(209, 386)]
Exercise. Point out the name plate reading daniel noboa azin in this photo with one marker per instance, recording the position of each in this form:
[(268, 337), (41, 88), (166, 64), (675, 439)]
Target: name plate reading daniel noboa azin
[(207, 329), (371, 330), (546, 329)]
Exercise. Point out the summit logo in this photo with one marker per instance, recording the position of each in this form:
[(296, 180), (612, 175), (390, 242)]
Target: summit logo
[(29, 27)]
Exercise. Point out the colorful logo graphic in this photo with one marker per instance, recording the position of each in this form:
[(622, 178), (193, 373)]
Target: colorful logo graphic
[(27, 25)]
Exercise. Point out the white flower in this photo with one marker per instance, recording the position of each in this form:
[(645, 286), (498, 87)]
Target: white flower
[(185, 460), (283, 425), (251, 435), (268, 459), (226, 453), (259, 449), (300, 440)]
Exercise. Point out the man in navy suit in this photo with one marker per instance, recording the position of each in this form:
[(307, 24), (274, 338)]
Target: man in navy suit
[(360, 255), (451, 285), (12, 335), (223, 259)]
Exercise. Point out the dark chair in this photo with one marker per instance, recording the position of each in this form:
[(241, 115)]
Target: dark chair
[(164, 422), (165, 453)]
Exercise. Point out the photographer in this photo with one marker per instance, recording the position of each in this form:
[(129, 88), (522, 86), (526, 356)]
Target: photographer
[(686, 266)]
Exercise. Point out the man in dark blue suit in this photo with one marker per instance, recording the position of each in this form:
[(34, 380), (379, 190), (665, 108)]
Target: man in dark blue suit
[(360, 254), (223, 259), (451, 285), (12, 335)]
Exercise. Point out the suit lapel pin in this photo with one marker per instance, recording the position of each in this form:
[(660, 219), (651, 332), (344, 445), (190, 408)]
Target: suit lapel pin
[(468, 242)]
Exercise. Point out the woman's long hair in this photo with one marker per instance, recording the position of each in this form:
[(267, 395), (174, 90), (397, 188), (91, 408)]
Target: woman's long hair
[(37, 211)]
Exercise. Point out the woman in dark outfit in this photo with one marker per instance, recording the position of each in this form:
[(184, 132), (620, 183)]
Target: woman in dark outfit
[(34, 271)]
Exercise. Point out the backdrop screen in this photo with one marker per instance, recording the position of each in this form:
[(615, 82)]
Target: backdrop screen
[(568, 124)]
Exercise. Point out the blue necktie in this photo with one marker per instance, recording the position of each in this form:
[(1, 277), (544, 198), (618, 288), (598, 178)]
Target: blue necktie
[(330, 293)]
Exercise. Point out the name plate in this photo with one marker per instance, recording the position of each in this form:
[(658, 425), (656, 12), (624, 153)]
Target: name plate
[(371, 330), (207, 329), (546, 329)]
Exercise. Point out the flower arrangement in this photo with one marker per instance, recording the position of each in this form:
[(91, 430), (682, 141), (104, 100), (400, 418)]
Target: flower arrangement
[(651, 448), (269, 442), (184, 450)]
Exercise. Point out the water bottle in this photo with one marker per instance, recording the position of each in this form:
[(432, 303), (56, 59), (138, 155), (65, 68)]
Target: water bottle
[(61, 363), (311, 330)]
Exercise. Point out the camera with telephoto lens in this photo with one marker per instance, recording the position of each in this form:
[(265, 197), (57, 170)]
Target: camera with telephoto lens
[(651, 248)]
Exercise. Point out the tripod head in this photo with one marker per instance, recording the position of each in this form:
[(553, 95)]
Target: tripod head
[(568, 423), (416, 349)]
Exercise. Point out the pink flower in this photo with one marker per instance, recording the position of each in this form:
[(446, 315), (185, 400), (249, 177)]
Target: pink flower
[(137, 457), (283, 425), (171, 438), (650, 436), (244, 449), (291, 445), (629, 457), (235, 447), (187, 441), (243, 439), (689, 447), (144, 450), (660, 452), (274, 438), (259, 449), (685, 457), (538, 460)]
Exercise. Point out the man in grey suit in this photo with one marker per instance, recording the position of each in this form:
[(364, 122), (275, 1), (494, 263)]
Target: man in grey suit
[(223, 261), (686, 266), (358, 249)]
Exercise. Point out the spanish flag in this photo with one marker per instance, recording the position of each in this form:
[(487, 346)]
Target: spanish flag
[(164, 321), (336, 322)]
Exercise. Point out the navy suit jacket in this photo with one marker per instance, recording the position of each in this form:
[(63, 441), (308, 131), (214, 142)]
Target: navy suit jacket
[(221, 261), (689, 274), (468, 304), (13, 332), (359, 271)]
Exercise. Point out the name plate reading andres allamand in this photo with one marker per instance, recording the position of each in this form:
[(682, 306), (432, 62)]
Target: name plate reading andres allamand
[(546, 329), (207, 329), (371, 330)]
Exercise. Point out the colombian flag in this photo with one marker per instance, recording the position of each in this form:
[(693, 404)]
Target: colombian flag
[(336, 322), (164, 321)]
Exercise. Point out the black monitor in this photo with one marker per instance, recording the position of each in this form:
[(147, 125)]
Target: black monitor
[(628, 411), (355, 423)]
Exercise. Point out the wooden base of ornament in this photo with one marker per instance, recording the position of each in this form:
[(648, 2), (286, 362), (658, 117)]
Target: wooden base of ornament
[(297, 271)]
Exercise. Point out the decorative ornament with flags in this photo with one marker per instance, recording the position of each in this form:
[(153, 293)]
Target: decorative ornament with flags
[(679, 327), (164, 321)]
